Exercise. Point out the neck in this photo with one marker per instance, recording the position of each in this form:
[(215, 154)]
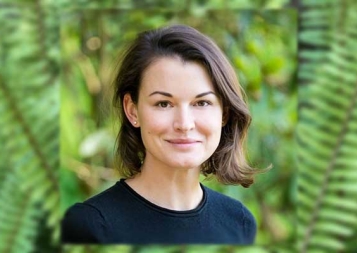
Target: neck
[(172, 188)]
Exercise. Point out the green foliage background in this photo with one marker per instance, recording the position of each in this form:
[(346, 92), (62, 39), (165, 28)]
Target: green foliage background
[(69, 48)]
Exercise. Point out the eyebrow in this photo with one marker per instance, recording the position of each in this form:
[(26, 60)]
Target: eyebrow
[(170, 95)]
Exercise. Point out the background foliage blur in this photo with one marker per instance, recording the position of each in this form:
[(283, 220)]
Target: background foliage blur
[(82, 40)]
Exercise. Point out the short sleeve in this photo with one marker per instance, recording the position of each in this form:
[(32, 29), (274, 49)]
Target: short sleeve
[(250, 226), (82, 224)]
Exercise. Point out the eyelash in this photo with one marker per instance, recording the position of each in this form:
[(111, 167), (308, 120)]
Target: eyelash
[(167, 103), (204, 101), (159, 104)]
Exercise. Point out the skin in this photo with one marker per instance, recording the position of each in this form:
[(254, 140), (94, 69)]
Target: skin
[(180, 118)]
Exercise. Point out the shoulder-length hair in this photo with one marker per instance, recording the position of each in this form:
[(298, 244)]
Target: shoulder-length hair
[(228, 162)]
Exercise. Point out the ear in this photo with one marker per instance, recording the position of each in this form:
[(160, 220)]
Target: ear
[(131, 110)]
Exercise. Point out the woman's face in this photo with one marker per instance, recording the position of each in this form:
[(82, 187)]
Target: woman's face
[(179, 114)]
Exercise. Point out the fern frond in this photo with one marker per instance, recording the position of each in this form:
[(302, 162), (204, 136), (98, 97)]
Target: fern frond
[(28, 88), (18, 227), (327, 134)]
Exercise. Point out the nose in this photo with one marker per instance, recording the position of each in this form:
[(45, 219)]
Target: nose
[(184, 119)]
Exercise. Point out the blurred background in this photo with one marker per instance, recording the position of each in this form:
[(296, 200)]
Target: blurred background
[(294, 59), (261, 46)]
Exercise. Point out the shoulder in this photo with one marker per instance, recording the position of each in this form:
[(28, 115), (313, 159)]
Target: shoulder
[(222, 201), (87, 222), (82, 223), (105, 197), (234, 211)]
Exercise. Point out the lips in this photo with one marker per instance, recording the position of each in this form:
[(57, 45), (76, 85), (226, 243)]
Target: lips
[(183, 141)]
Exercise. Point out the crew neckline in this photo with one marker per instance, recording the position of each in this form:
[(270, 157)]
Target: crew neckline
[(176, 213)]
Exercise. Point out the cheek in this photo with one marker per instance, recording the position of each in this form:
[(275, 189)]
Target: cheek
[(151, 123), (211, 124), (152, 131), (212, 119)]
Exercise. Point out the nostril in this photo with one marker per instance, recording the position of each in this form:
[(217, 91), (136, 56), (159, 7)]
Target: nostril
[(184, 127)]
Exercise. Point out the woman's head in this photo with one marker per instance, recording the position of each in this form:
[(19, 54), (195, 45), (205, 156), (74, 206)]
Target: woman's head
[(183, 46)]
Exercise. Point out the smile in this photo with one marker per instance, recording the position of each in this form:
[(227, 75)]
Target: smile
[(183, 143)]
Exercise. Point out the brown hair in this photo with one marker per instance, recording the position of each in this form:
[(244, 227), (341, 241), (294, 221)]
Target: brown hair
[(228, 162)]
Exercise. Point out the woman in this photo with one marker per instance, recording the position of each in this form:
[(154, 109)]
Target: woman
[(182, 113)]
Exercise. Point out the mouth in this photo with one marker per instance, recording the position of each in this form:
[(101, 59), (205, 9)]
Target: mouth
[(183, 144), (183, 141)]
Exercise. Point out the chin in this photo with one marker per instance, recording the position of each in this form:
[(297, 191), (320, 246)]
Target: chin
[(186, 164), (188, 161)]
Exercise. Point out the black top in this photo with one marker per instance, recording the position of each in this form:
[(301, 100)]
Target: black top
[(120, 215)]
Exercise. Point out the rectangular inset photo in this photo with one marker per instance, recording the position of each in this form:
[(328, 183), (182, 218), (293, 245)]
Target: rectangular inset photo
[(178, 128)]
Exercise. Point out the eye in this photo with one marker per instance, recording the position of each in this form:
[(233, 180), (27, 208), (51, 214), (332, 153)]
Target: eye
[(163, 104), (203, 103)]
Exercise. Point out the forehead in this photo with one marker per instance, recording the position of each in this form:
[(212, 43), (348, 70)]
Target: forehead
[(172, 73)]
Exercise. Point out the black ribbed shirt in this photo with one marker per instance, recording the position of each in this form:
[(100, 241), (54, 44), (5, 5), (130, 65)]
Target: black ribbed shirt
[(120, 215)]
